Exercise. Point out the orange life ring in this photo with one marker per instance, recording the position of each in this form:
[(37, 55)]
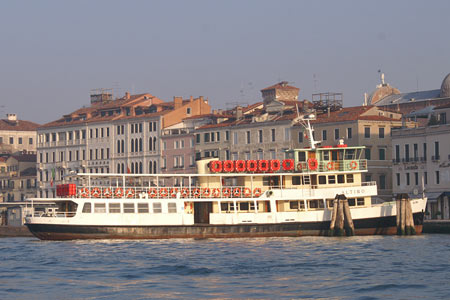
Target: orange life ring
[(118, 192), (312, 164), (215, 166), (95, 192), (196, 192), (206, 192), (240, 165), (247, 192), (263, 165), (152, 193), (173, 192), (330, 165), (163, 192), (226, 192), (84, 192), (275, 165), (252, 165), (129, 193), (237, 192), (299, 166), (184, 192), (216, 193), (107, 192), (353, 164), (257, 192), (288, 164)]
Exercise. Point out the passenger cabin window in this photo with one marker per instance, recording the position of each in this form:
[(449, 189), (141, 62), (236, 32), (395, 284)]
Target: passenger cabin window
[(172, 207), (326, 155), (322, 180), (157, 208), (100, 208), (315, 204), (356, 202), (243, 206), (114, 208), (331, 179), (298, 205), (87, 208), (143, 208), (349, 178), (227, 206), (296, 180), (341, 179), (128, 208)]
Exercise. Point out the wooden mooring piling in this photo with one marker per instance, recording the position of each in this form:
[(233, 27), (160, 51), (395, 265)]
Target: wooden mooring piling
[(405, 220), (341, 218)]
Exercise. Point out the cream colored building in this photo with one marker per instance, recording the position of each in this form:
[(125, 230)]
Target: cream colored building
[(421, 159), (367, 126), (17, 135)]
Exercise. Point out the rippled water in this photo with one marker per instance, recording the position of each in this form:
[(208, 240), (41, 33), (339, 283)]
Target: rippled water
[(308, 267)]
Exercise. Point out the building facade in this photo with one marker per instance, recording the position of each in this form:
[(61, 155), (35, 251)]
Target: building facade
[(110, 136), (17, 177), (17, 135), (421, 158)]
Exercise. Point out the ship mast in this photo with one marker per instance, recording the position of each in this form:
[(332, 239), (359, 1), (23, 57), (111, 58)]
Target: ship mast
[(303, 120)]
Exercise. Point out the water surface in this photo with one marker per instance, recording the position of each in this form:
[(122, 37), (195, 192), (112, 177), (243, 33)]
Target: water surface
[(375, 267)]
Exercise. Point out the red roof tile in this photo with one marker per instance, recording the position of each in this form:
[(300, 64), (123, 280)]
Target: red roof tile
[(19, 125), (281, 86)]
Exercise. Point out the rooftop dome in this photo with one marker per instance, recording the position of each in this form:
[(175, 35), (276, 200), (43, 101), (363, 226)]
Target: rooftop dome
[(445, 87)]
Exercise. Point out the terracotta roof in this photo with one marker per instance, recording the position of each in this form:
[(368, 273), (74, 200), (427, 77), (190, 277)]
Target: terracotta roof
[(19, 125), (208, 116), (3, 158), (283, 85), (350, 114)]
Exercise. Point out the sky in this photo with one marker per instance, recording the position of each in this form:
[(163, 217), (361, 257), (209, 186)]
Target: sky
[(53, 53)]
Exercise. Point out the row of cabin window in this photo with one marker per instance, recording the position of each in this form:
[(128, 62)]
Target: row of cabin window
[(348, 178), (128, 207), (242, 206), (318, 204)]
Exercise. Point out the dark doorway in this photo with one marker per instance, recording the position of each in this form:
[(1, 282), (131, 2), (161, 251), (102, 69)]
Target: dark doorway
[(201, 212)]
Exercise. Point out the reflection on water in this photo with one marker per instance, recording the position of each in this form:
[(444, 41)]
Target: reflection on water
[(308, 267)]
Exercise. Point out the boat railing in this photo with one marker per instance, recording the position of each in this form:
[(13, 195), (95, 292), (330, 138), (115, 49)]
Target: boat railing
[(41, 214), (333, 165), (169, 192)]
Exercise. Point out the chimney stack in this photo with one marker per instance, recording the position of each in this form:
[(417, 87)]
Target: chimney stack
[(238, 112), (127, 96), (11, 117), (177, 102)]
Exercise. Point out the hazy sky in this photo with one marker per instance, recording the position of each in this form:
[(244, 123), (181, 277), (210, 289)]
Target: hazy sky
[(52, 53)]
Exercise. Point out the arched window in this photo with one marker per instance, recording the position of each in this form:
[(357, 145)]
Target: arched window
[(136, 147), (136, 167), (123, 168), (132, 145), (154, 143), (140, 145), (150, 144), (154, 167), (123, 146), (118, 168), (118, 146), (140, 168), (132, 168), (150, 167)]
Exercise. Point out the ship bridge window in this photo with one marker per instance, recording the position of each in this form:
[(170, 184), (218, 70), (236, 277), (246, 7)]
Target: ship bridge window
[(302, 156), (326, 155), (87, 208), (100, 208), (350, 154), (349, 178), (114, 208), (128, 208), (243, 206), (157, 208), (172, 207), (143, 208)]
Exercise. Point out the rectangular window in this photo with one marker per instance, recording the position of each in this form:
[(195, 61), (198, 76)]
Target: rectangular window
[(397, 153), (207, 137), (341, 179), (11, 140), (407, 152), (172, 207), (213, 136), (128, 208), (197, 138), (235, 138), (227, 135), (287, 134), (218, 136), (416, 178), (324, 135), (260, 136), (382, 153), (381, 132), (407, 179), (142, 208), (367, 153), (114, 208), (424, 151), (382, 182), (322, 180), (398, 178), (367, 132), (272, 132), (100, 208), (157, 208), (336, 133), (248, 137), (437, 177), (349, 133), (331, 179), (349, 178), (300, 136), (436, 150), (20, 141), (416, 152), (87, 208)]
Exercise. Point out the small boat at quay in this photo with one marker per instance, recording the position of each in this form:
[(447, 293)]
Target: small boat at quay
[(226, 199)]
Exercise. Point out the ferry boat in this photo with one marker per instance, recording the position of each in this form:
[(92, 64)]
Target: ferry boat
[(226, 199)]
